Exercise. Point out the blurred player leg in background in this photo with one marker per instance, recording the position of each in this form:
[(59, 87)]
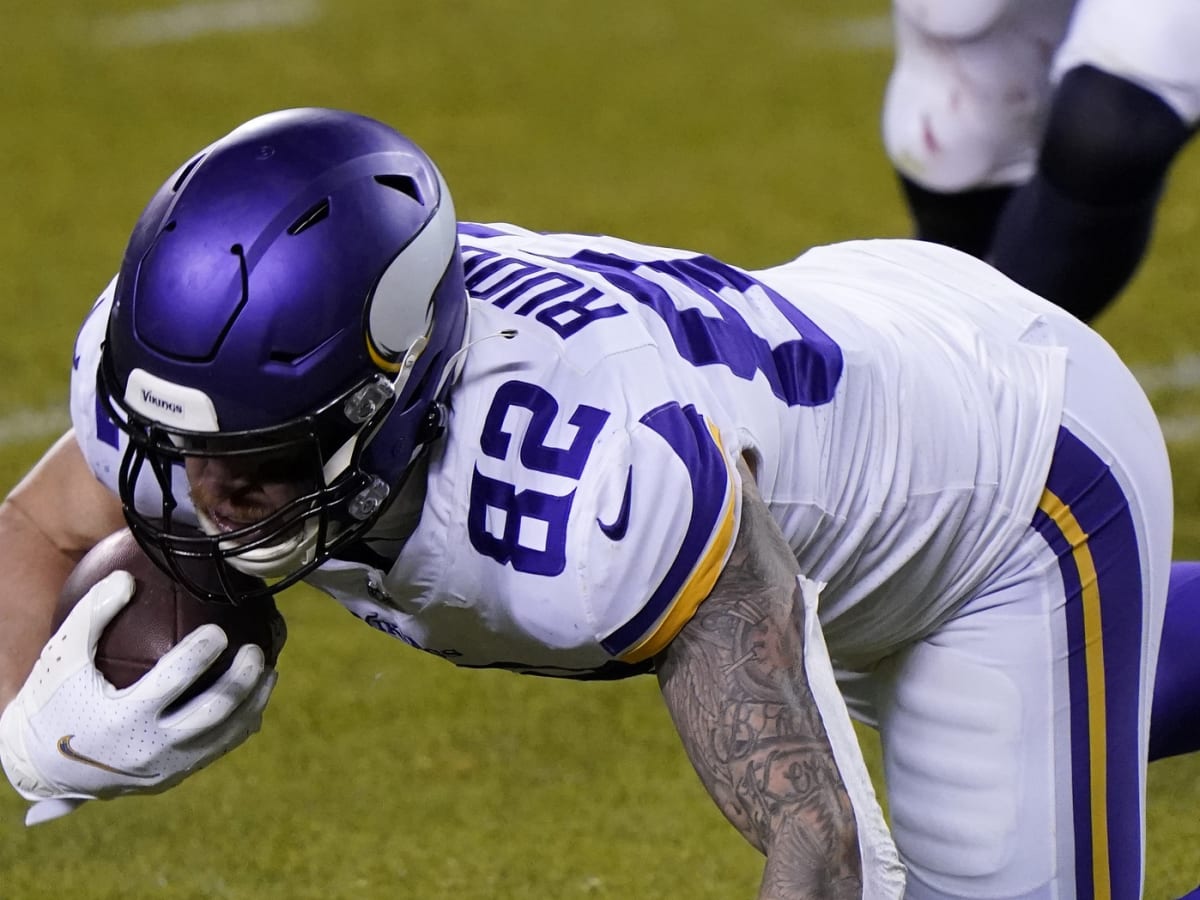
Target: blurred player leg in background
[(1126, 101), (1041, 139), (965, 107)]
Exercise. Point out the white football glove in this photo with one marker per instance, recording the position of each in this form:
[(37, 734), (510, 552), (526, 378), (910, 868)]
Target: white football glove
[(69, 735)]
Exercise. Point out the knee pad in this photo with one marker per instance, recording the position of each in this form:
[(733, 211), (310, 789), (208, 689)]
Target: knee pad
[(951, 766), (965, 815), (1108, 141)]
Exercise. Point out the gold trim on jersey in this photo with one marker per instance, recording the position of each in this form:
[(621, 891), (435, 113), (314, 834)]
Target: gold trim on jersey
[(699, 584)]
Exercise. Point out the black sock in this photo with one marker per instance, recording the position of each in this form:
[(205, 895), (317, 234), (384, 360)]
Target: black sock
[(1078, 230), (1076, 254), (963, 219)]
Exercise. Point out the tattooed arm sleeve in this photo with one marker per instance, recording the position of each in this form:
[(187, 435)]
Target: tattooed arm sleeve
[(735, 684)]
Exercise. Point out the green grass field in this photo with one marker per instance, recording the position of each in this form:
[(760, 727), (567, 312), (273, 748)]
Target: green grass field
[(381, 772)]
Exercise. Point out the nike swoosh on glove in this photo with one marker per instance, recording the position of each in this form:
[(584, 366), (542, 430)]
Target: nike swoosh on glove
[(69, 735)]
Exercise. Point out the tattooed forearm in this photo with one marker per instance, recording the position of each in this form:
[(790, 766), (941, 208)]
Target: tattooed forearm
[(734, 682)]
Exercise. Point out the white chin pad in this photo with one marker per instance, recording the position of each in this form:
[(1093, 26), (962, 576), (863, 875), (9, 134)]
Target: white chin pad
[(270, 560)]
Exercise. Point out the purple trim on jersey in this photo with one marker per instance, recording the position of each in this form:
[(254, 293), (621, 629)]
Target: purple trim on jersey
[(686, 432), (1094, 500), (476, 230)]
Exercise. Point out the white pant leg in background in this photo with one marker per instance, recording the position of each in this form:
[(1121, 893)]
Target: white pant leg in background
[(1153, 43), (968, 95), (967, 98)]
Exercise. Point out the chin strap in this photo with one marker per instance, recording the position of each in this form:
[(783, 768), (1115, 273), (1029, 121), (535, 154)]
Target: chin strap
[(450, 371)]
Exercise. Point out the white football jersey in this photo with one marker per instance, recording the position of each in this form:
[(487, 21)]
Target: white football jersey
[(898, 402)]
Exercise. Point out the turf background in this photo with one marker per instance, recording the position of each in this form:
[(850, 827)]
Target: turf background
[(749, 133)]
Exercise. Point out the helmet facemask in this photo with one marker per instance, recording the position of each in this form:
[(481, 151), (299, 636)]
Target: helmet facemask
[(335, 500)]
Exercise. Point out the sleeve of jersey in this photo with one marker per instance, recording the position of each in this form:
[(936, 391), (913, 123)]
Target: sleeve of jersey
[(99, 439), (662, 534)]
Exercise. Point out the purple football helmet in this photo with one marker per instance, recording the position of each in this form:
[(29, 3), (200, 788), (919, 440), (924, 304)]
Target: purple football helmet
[(295, 289)]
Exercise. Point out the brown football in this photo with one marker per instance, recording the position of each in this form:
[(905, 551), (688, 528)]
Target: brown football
[(162, 612)]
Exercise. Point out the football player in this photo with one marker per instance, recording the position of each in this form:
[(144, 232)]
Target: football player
[(1038, 133), (880, 478)]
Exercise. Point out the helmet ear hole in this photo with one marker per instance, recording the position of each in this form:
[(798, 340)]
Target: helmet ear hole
[(402, 183)]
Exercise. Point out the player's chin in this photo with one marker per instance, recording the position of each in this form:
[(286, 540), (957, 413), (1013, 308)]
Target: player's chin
[(239, 531), (217, 523)]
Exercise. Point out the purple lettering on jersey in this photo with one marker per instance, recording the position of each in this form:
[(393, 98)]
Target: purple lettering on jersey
[(517, 277), (686, 432), (570, 315), (803, 372), (536, 287), (481, 266), (534, 453), (516, 507)]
